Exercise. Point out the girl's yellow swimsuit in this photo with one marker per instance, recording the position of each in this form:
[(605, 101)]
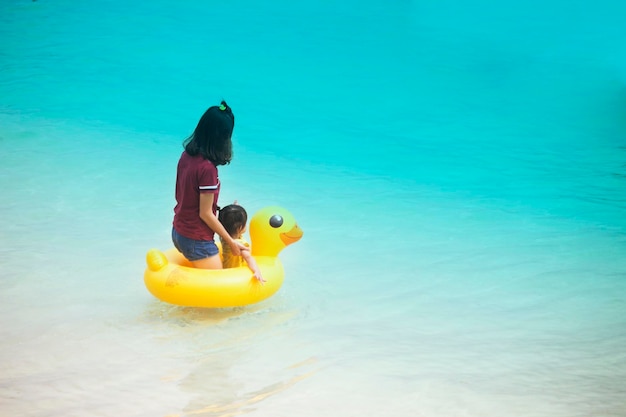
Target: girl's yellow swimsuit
[(231, 261)]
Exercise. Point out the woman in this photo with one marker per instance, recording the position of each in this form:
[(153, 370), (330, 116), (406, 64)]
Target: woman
[(198, 189)]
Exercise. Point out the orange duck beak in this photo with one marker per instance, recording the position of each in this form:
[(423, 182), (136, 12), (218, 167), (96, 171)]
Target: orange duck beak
[(294, 235)]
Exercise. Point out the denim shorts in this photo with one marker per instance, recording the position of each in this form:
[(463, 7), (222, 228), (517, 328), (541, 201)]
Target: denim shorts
[(194, 250)]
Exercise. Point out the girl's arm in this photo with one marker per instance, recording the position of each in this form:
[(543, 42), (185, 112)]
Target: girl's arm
[(247, 256), (206, 214)]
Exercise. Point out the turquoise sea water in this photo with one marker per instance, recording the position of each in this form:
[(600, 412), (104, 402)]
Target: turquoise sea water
[(459, 171)]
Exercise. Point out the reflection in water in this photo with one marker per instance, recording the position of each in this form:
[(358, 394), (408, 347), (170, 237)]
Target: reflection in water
[(238, 403), (232, 359)]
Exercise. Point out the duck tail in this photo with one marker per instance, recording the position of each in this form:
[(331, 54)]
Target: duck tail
[(156, 260)]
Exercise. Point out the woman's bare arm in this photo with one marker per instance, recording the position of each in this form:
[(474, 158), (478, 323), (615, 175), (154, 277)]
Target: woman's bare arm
[(206, 214)]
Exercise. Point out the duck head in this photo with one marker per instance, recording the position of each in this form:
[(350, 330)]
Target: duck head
[(271, 230)]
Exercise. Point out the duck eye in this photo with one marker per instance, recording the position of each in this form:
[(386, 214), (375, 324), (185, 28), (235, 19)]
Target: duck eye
[(276, 221)]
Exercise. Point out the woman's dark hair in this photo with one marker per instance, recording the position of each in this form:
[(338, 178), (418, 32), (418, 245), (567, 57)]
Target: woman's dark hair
[(233, 217), (212, 137)]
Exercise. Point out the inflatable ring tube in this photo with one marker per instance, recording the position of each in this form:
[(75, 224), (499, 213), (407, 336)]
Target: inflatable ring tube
[(170, 277), (176, 282)]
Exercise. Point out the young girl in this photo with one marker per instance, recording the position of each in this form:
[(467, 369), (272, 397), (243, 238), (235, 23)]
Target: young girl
[(234, 218), (198, 188)]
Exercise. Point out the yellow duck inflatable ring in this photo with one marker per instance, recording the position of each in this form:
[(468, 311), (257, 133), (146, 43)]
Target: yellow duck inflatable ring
[(171, 278)]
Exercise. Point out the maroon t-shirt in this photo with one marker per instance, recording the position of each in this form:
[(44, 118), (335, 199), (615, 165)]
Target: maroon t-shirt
[(195, 175)]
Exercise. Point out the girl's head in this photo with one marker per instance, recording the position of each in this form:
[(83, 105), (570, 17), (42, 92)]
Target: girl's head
[(234, 218), (212, 137)]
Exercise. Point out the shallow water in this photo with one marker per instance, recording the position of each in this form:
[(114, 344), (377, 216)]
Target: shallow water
[(459, 178)]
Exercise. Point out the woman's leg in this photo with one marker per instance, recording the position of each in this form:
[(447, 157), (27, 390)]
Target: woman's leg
[(213, 262)]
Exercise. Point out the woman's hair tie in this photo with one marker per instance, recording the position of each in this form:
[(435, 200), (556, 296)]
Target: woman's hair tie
[(224, 107)]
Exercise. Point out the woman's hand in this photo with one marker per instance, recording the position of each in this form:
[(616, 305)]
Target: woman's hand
[(237, 247)]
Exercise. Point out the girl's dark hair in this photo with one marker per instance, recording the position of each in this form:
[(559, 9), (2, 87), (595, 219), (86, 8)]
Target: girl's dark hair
[(212, 137), (233, 217)]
